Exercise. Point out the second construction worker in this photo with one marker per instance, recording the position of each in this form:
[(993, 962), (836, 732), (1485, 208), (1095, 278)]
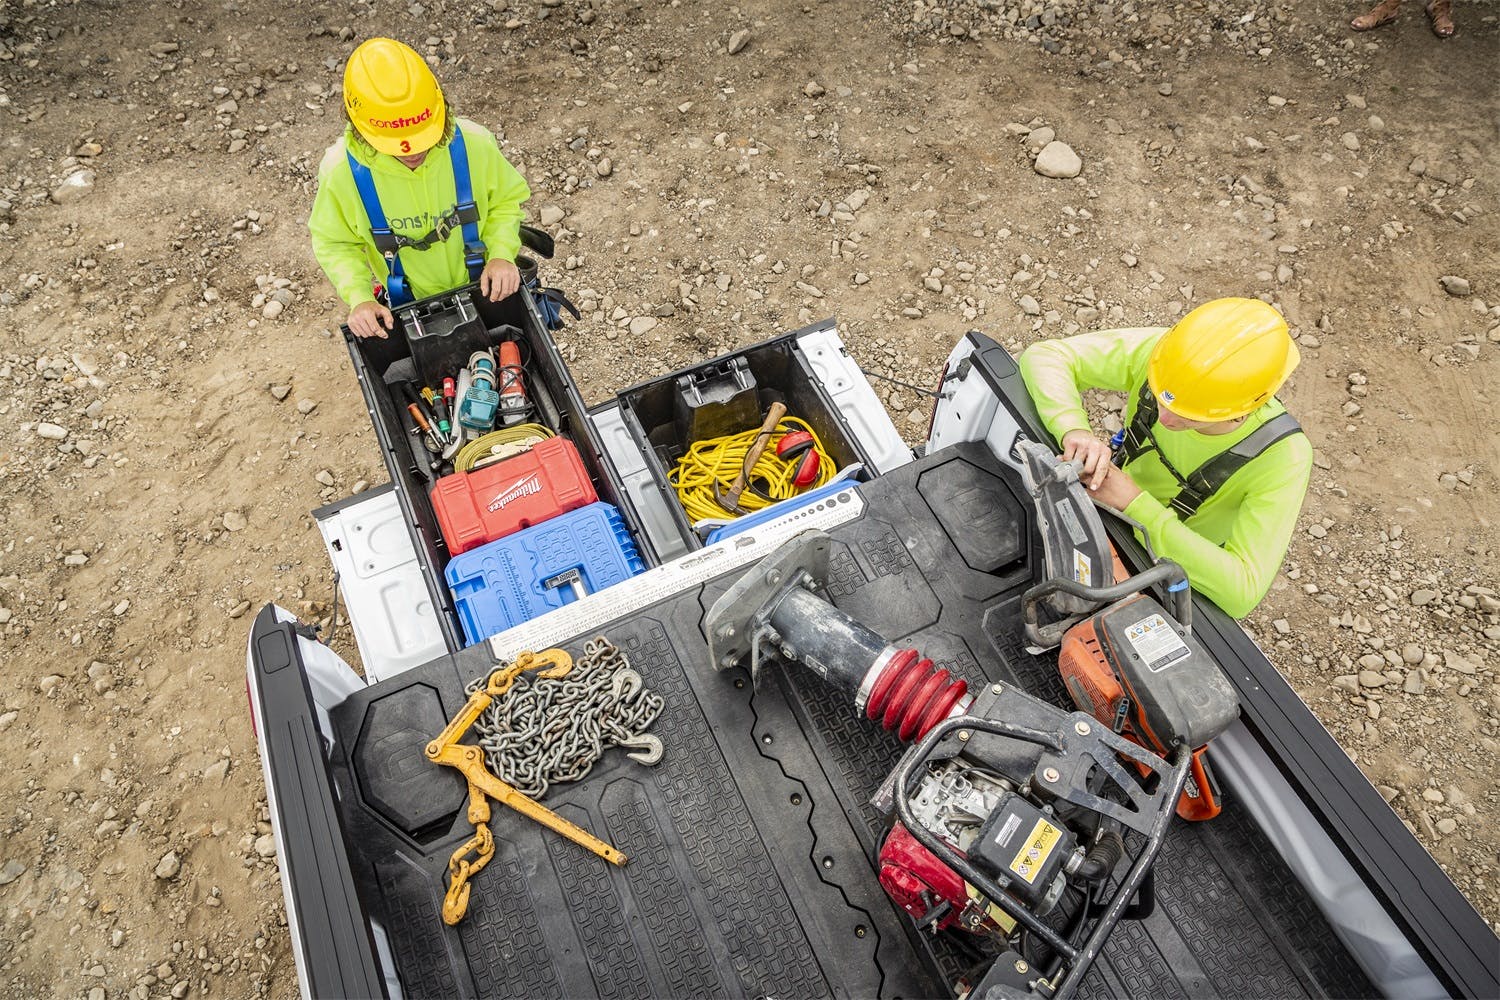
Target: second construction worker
[(412, 198), (1209, 461)]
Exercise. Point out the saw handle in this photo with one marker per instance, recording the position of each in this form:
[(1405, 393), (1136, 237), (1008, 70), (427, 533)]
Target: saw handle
[(757, 447)]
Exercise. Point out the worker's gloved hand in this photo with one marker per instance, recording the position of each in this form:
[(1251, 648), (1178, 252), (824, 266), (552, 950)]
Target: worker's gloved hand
[(370, 319), (1118, 490), (500, 280), (1082, 446)]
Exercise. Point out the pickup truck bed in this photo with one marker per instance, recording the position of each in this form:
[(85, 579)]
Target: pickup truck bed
[(751, 844)]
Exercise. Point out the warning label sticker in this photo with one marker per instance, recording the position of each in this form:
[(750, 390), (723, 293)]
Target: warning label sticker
[(1035, 850), (1083, 566), (1156, 642)]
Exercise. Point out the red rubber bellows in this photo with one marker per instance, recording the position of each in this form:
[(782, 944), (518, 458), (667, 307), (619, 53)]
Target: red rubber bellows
[(911, 695)]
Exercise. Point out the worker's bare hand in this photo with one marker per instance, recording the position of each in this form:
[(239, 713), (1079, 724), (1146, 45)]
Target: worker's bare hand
[(1082, 446), (1118, 490), (370, 319), (500, 280)]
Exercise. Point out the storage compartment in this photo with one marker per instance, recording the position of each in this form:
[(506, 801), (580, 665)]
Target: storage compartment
[(727, 395), (478, 507), (445, 329), (527, 574)]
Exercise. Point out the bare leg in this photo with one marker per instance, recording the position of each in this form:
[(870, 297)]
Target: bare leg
[(1383, 12)]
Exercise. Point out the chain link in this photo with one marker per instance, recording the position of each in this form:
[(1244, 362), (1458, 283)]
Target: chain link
[(549, 731)]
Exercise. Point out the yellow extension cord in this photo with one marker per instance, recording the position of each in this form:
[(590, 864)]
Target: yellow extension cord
[(718, 460), (481, 446)]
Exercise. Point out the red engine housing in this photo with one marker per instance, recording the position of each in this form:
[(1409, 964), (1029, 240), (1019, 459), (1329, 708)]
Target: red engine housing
[(917, 880)]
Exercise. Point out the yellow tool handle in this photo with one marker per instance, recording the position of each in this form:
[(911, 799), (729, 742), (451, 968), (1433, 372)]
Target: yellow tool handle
[(773, 417)]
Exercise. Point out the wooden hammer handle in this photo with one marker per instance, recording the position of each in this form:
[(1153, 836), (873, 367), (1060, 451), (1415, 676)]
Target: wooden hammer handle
[(773, 417)]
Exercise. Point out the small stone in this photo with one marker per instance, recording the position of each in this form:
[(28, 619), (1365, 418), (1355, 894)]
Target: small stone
[(48, 685), (861, 278), (1454, 285), (122, 607), (1057, 159), (1446, 825), (1432, 795), (265, 845), (738, 40), (1165, 90), (642, 325), (324, 477), (1414, 683), (1029, 305), (217, 770), (11, 871), (169, 866), (1282, 626), (1412, 654), (551, 215), (8, 719), (813, 89), (306, 406), (1371, 679), (281, 392), (239, 609), (1276, 101), (52, 432), (1372, 661), (1350, 141), (604, 167), (1422, 598), (235, 521), (74, 186), (272, 309), (1038, 138)]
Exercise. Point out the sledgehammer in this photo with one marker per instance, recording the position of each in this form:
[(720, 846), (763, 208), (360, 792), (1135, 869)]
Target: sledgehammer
[(731, 501)]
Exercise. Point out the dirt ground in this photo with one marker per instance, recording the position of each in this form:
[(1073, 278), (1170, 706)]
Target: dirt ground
[(167, 432)]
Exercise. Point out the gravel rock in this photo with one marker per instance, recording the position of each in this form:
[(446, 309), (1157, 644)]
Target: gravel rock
[(1029, 305), (1057, 159), (52, 432), (551, 215), (235, 521), (306, 406), (813, 89), (1371, 679), (1422, 598), (272, 309), (281, 392), (738, 40), (1165, 90), (1454, 285), (642, 325), (604, 167), (11, 871), (265, 845), (1350, 141), (324, 477), (74, 187), (169, 866)]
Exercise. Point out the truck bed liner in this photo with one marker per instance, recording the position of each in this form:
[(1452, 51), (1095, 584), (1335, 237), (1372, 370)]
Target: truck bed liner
[(751, 843)]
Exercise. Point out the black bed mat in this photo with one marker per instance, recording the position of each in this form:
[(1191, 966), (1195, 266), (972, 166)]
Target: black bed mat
[(751, 843)]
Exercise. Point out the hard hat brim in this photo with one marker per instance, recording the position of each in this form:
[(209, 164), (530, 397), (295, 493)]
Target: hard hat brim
[(1293, 358), (418, 140)]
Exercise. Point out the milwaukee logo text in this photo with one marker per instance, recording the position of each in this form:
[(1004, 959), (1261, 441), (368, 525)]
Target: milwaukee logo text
[(515, 491)]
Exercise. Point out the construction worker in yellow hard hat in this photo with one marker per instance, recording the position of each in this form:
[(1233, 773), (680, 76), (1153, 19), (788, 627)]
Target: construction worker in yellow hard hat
[(411, 201), (1209, 461)]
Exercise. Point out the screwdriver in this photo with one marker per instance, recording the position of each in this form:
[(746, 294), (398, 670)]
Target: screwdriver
[(421, 419), (440, 409)]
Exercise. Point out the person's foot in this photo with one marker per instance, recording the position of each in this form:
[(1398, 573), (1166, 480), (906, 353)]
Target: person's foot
[(1440, 13), (1382, 13)]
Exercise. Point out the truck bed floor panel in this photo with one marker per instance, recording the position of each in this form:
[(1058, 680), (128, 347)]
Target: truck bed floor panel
[(751, 844)]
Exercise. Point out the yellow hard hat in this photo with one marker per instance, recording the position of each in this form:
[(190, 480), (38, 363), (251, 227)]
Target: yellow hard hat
[(1222, 360), (392, 98)]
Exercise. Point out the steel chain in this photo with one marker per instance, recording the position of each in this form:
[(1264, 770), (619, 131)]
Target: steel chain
[(544, 732)]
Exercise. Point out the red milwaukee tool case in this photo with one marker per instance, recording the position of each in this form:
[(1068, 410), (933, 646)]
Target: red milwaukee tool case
[(477, 507)]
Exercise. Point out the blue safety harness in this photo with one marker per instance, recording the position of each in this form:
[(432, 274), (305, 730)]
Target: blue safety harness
[(464, 216)]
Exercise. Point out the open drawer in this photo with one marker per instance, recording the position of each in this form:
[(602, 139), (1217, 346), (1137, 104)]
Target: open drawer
[(433, 337), (647, 428)]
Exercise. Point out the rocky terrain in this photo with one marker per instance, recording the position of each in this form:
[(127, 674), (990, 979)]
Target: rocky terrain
[(177, 397)]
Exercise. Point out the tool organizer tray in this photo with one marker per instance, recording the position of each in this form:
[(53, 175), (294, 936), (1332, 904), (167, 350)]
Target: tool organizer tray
[(751, 842)]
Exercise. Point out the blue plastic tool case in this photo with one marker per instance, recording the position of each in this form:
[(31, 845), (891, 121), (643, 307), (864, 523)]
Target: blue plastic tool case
[(505, 582)]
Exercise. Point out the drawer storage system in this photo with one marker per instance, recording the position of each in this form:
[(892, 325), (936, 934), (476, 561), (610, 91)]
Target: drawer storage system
[(432, 338), (566, 516)]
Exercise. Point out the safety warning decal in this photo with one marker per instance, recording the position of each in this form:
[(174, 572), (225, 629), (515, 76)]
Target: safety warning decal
[(1035, 850), (1069, 518), (1083, 566), (1156, 642)]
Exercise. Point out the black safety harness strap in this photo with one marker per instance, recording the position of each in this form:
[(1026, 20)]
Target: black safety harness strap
[(1206, 480)]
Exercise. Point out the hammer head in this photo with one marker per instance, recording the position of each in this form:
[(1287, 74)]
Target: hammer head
[(729, 500)]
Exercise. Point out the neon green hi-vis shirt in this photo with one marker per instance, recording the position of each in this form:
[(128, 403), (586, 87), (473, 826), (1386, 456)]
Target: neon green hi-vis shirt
[(413, 200), (1232, 547)]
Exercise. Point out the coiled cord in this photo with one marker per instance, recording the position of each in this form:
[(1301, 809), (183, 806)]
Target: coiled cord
[(718, 460)]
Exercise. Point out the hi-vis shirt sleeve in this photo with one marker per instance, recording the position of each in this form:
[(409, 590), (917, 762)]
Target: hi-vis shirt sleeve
[(337, 226), (1237, 575), (1057, 372), (499, 191)]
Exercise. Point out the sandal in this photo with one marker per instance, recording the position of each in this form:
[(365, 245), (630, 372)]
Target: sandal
[(1440, 13), (1382, 13)]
